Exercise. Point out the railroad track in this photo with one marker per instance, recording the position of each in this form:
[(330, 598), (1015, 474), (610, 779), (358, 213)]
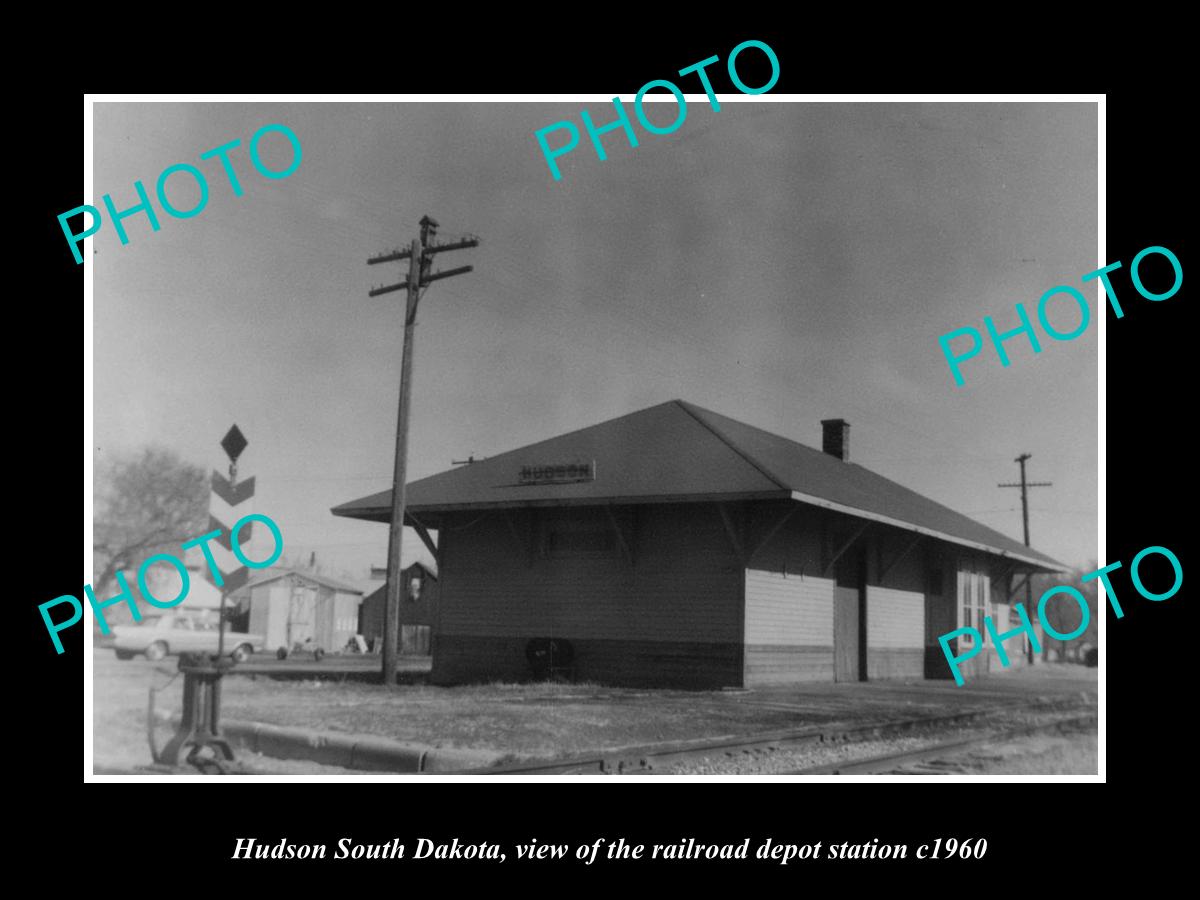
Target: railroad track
[(940, 759), (660, 758)]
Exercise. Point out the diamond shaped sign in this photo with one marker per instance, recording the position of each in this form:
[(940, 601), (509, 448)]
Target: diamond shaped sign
[(234, 443)]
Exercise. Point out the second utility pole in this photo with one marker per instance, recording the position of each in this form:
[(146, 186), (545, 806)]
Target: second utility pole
[(420, 257), (1025, 486)]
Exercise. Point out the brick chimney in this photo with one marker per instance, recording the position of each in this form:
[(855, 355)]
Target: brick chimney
[(835, 438)]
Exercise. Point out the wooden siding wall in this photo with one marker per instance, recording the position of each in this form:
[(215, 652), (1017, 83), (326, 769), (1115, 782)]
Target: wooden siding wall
[(895, 633), (674, 618), (690, 611), (335, 618), (786, 586), (345, 619), (898, 618), (789, 603), (269, 612), (789, 628), (260, 617), (323, 634), (335, 615), (897, 582)]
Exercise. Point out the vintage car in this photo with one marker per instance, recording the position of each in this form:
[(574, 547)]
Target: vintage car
[(180, 631)]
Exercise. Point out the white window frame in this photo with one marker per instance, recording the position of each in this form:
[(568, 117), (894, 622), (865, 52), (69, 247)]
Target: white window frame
[(975, 597)]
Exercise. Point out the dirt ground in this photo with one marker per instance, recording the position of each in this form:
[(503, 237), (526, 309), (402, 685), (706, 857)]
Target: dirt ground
[(1035, 755), (1071, 753), (540, 720)]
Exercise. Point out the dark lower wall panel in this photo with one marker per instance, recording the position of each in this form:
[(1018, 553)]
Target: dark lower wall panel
[(985, 663), (462, 659), (937, 666), (784, 664), (895, 663)]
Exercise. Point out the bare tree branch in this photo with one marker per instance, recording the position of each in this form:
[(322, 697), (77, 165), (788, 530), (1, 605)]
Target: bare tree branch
[(147, 503)]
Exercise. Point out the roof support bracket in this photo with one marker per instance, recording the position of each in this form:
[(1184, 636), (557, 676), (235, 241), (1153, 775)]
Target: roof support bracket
[(731, 531), (772, 531), (1018, 586), (903, 553), (626, 545), (846, 546), (423, 534), (524, 542)]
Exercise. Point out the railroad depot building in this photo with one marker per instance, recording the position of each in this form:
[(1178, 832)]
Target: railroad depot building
[(676, 547)]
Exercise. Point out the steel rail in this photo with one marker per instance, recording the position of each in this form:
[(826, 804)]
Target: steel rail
[(891, 761), (645, 760)]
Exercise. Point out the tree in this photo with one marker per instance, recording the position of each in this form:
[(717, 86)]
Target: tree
[(1063, 613), (146, 502)]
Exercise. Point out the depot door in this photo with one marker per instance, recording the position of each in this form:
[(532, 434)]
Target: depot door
[(849, 617)]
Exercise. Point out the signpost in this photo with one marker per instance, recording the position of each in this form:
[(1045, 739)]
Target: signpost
[(200, 723), (229, 501)]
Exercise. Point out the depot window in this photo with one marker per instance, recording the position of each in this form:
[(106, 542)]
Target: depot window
[(579, 535), (974, 601)]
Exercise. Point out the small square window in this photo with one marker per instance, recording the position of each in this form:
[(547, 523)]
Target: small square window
[(579, 534), (580, 542)]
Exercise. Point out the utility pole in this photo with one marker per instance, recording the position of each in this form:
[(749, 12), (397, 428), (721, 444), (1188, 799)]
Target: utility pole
[(420, 255), (1025, 486)]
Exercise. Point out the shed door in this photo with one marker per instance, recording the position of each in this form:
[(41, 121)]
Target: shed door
[(301, 615)]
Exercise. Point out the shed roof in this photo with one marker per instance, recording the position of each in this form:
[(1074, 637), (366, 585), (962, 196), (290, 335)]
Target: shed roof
[(679, 452), (381, 590), (323, 580)]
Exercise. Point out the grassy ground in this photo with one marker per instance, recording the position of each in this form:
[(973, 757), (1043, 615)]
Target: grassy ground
[(539, 720)]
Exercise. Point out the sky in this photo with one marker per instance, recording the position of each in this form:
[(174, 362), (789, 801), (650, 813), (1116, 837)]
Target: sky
[(779, 263)]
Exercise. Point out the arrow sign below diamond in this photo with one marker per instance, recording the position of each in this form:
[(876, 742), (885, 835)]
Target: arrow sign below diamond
[(230, 501)]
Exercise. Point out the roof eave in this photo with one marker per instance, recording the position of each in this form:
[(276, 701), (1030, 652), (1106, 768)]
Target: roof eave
[(1040, 564), (315, 579), (383, 514)]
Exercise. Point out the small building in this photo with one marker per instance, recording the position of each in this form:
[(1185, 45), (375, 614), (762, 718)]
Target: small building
[(417, 611), (678, 547), (293, 606), (164, 583)]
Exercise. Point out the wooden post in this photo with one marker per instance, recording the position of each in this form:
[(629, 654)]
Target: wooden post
[(391, 609), (420, 255)]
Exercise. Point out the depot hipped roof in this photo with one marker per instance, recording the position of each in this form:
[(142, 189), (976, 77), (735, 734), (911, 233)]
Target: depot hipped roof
[(679, 452)]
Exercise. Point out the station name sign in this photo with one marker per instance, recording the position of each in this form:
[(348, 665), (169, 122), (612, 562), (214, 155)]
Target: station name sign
[(560, 473)]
